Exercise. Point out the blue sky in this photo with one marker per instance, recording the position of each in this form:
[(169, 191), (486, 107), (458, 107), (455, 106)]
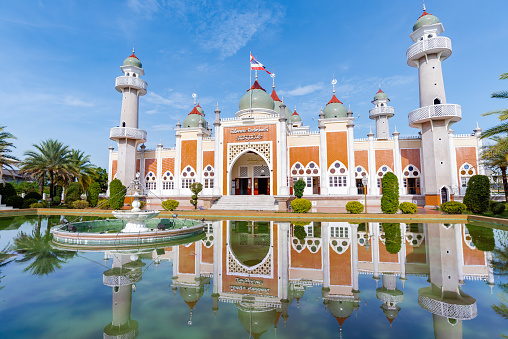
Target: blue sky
[(60, 60)]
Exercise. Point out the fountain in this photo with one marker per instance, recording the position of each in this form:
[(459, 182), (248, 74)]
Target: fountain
[(135, 218)]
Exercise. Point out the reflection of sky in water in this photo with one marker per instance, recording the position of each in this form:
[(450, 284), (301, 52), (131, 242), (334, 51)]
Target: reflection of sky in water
[(73, 302)]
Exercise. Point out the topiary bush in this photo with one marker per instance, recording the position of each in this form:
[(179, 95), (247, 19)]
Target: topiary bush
[(453, 207), (117, 194), (7, 190), (390, 198), (195, 188), (498, 207), (33, 195), (477, 194), (36, 205), (299, 232), (72, 193), (29, 201), (301, 205), (92, 195), (354, 207), (170, 204), (408, 208), (393, 237), (482, 237), (298, 187), (14, 201), (57, 200), (80, 204), (103, 204)]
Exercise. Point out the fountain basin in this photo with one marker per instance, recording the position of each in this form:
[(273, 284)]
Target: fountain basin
[(135, 220)]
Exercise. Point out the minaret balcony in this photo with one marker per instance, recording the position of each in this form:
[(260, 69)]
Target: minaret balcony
[(127, 133), (114, 279), (435, 112), (130, 82), (440, 44), (381, 110), (460, 308)]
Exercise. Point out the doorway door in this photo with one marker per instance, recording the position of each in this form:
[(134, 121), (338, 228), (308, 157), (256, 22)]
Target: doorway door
[(243, 186), (261, 186), (444, 195)]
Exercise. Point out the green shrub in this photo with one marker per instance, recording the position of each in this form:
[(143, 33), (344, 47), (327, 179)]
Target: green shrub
[(408, 208), (36, 205), (354, 207), (498, 207), (80, 204), (14, 201), (390, 198), (117, 194), (72, 193), (58, 191), (33, 195), (477, 194), (7, 191), (195, 189), (29, 201), (103, 204), (393, 237), (298, 187), (483, 237), (299, 232), (92, 195), (57, 200), (453, 207), (170, 204), (301, 205)]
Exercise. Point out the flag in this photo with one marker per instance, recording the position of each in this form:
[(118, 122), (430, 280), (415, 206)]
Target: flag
[(254, 64)]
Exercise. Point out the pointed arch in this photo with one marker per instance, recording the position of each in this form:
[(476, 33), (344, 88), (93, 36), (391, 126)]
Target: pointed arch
[(151, 181), (337, 175), (168, 181), (208, 175), (188, 176), (466, 171), (380, 174), (411, 179)]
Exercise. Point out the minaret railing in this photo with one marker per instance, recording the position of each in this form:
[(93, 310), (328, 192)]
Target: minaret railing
[(382, 110), (429, 46), (435, 111)]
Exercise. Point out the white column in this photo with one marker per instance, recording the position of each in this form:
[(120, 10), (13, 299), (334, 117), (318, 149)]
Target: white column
[(325, 236), (479, 145), (460, 253), (142, 149), (323, 161), (453, 164), (284, 254), (490, 278), (159, 170), (216, 251), (283, 168), (110, 168), (372, 166), (175, 261), (402, 252), (217, 168), (199, 154), (197, 258), (351, 158), (354, 253), (397, 161), (178, 159), (375, 248)]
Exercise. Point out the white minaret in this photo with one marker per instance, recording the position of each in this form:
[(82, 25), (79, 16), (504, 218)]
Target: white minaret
[(434, 116), (127, 134), (381, 113)]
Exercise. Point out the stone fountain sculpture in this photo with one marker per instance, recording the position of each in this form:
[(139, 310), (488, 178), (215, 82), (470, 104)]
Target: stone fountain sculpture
[(135, 218)]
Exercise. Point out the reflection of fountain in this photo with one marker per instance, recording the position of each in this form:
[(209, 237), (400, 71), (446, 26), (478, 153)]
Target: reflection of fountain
[(135, 218)]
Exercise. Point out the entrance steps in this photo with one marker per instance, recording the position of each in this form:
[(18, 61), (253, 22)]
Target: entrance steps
[(246, 203), (4, 207)]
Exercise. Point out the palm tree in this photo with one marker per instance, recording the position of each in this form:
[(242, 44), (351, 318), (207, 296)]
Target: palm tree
[(502, 114), (5, 258), (6, 160), (495, 157), (82, 167), (52, 159)]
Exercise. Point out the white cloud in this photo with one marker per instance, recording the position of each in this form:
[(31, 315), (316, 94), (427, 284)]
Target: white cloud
[(162, 127), (303, 90), (146, 7), (174, 99), (72, 101)]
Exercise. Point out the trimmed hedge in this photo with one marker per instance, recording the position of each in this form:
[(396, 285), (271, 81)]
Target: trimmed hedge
[(298, 187), (483, 237), (80, 204), (14, 201), (354, 207), (7, 191), (393, 237), (33, 195), (299, 232), (301, 205), (453, 207), (57, 200), (477, 194), (498, 207), (117, 194), (103, 204), (408, 208), (390, 198), (36, 205), (29, 201), (195, 188), (73, 193), (170, 204), (93, 192)]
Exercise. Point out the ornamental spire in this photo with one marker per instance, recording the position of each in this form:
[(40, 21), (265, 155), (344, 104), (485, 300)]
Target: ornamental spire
[(334, 82), (194, 95), (273, 79), (424, 9)]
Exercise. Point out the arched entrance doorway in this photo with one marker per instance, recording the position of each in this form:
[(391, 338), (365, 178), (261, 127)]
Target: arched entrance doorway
[(250, 174), (444, 195)]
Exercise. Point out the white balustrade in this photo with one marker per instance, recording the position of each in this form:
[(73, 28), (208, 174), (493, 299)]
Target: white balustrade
[(126, 279), (127, 132), (437, 112), (429, 46), (125, 81), (381, 110), (448, 310)]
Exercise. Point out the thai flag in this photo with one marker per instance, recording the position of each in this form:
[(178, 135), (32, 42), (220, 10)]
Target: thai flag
[(254, 64)]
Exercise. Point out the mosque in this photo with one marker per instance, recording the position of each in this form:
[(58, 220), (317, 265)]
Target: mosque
[(265, 147)]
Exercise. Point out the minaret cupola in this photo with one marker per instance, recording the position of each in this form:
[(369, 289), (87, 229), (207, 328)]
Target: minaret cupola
[(256, 98), (335, 108), (381, 113)]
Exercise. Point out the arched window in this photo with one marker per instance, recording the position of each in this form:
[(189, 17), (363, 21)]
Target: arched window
[(339, 238), (411, 175), (208, 174), (444, 194), (337, 174), (123, 123), (437, 101), (360, 172), (151, 181), (466, 171), (167, 181), (188, 177), (380, 173)]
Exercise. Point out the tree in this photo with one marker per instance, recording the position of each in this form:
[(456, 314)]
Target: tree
[(299, 187), (82, 168), (92, 195), (390, 198), (100, 176), (195, 189), (6, 159), (495, 158), (393, 237), (116, 194), (51, 158), (502, 114), (477, 194), (73, 193)]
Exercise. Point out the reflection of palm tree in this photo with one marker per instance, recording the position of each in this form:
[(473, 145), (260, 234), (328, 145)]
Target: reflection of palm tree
[(36, 247), (4, 260), (500, 266)]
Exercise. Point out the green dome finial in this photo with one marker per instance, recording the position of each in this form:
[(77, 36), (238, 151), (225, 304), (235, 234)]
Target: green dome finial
[(425, 19), (132, 60)]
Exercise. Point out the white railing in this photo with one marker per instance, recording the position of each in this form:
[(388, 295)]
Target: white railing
[(429, 46), (381, 110), (435, 111), (125, 81), (127, 132), (463, 135), (444, 309), (410, 137), (121, 280), (303, 132), (208, 138), (389, 297)]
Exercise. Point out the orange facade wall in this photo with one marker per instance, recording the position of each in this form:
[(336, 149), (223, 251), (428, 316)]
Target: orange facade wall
[(410, 156), (150, 165), (364, 254), (189, 153), (208, 159), (304, 155), (384, 157), (168, 164), (114, 168), (416, 255), (207, 254), (340, 267), (186, 259), (472, 257), (362, 159), (466, 154), (306, 259), (336, 148), (385, 256)]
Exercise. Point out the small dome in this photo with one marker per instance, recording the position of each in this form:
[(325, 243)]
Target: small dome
[(191, 295), (295, 117), (380, 95), (424, 20), (132, 61), (276, 101), (200, 109), (260, 99), (335, 109), (257, 322), (192, 120)]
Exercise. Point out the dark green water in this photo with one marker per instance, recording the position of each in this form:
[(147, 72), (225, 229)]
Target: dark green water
[(259, 278)]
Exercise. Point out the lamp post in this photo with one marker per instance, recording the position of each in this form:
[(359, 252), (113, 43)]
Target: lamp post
[(365, 180)]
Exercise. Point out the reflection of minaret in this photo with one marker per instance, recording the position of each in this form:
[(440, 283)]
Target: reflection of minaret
[(445, 298), (217, 247), (390, 296), (125, 272)]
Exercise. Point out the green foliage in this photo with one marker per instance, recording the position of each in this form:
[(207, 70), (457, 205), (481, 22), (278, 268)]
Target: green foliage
[(483, 237), (498, 207), (7, 191), (195, 189), (299, 232), (393, 237), (477, 194), (58, 191), (29, 201), (14, 201), (57, 200), (26, 187), (103, 204), (408, 208), (354, 207), (33, 195), (170, 204), (72, 194), (298, 187), (93, 192), (36, 205), (117, 194), (453, 207), (100, 176), (301, 205), (80, 204), (390, 198)]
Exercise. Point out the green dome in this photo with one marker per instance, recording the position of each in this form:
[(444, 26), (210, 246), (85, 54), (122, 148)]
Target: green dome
[(335, 109), (424, 20), (260, 99), (190, 294), (200, 109), (257, 322), (132, 61), (380, 95), (341, 308), (192, 120), (295, 117)]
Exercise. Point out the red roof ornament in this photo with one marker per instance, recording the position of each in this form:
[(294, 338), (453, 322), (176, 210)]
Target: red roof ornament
[(133, 56), (424, 14), (295, 113), (195, 111), (341, 320), (334, 100), (274, 96), (256, 85), (380, 91)]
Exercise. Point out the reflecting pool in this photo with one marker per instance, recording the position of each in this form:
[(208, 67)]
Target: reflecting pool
[(258, 279)]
